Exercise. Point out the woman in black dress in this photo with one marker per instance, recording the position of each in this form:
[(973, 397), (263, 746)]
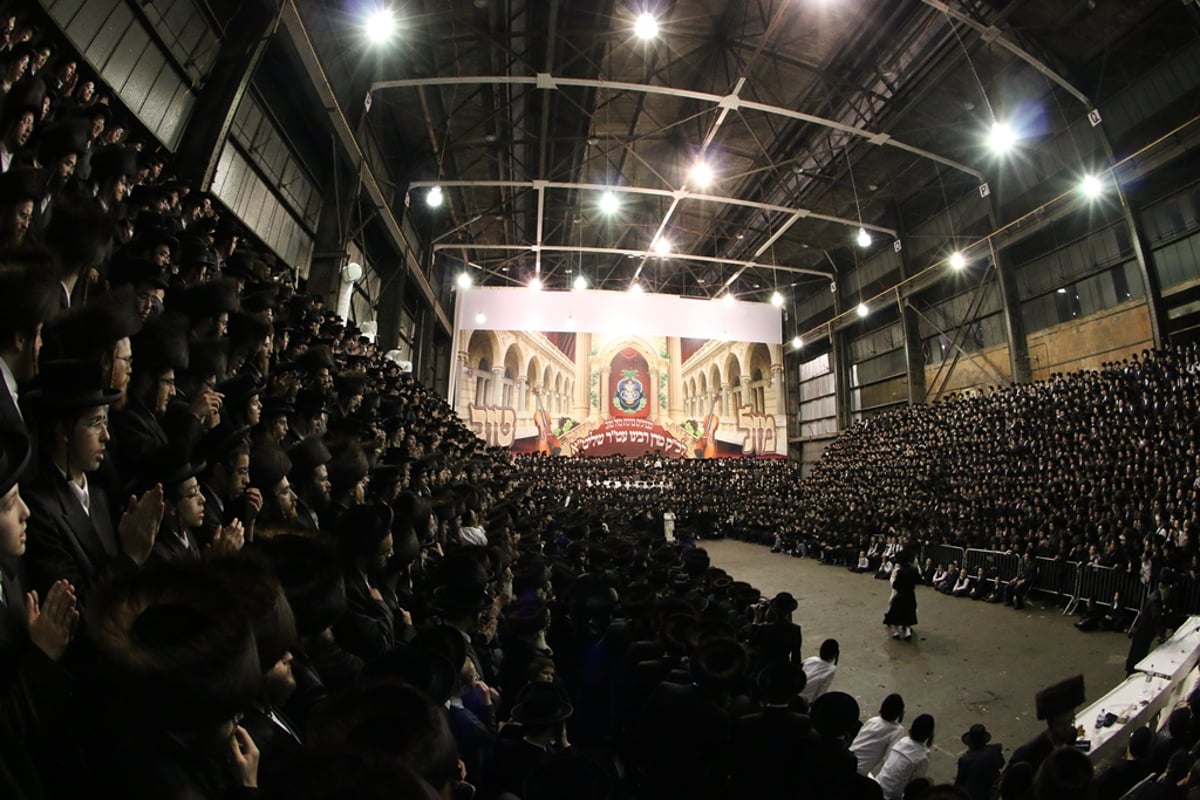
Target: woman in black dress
[(902, 607)]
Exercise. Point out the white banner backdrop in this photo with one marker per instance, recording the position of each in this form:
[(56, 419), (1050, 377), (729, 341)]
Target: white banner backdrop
[(523, 309)]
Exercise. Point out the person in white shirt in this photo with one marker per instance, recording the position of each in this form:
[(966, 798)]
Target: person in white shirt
[(819, 671), (878, 734), (908, 759)]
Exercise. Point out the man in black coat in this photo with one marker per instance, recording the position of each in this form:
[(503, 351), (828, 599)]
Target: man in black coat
[(26, 304), (71, 532), (979, 767)]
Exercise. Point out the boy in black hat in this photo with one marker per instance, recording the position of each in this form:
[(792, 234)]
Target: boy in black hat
[(979, 767), (71, 530)]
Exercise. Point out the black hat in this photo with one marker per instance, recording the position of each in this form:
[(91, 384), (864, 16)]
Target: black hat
[(14, 458), (240, 388), (97, 110), (113, 162), (268, 466), (196, 251), (307, 455), (62, 138), (207, 299), (217, 443), (24, 97), (171, 645), (424, 669), (72, 383), (444, 640), (361, 528), (718, 662), (161, 345), (784, 603), (136, 272), (169, 465), (276, 406), (1061, 698), (310, 403), (92, 330), (835, 714), (22, 183), (79, 232), (311, 578), (977, 736), (241, 265), (526, 618), (540, 704), (462, 598)]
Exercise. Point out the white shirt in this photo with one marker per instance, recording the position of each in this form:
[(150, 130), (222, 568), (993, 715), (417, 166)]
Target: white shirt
[(472, 535), (81, 492), (819, 673), (907, 761), (874, 741), (11, 382)]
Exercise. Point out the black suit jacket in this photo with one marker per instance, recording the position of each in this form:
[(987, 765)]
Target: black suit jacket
[(135, 432), (63, 540)]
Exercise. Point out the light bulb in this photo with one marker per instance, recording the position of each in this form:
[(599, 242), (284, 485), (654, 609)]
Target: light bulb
[(536, 284), (636, 288), (863, 238), (662, 246), (776, 299), (480, 318), (863, 310), (464, 280), (1002, 137), (797, 343), (435, 197), (609, 203), (702, 174), (727, 299), (1091, 186), (380, 25), (958, 260), (580, 282), (646, 26)]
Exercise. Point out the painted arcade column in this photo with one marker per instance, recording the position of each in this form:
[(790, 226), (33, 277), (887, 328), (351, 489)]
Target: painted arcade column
[(779, 384), (675, 407), (747, 394), (580, 405), (726, 400), (497, 386), (522, 390)]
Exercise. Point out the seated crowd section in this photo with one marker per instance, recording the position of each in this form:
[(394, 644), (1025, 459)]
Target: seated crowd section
[(243, 552)]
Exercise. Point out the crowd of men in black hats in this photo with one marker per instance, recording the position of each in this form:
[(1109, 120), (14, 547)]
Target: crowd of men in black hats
[(243, 552)]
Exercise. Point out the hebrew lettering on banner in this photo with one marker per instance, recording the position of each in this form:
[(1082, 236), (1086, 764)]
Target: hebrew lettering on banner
[(759, 430), (495, 425)]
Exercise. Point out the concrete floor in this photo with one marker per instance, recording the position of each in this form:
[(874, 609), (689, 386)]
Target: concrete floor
[(968, 662)]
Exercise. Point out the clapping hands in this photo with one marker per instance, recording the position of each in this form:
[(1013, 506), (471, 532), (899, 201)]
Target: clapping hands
[(52, 624)]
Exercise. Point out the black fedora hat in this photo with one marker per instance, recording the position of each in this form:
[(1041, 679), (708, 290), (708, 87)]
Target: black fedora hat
[(540, 704), (444, 640), (22, 183), (113, 162), (419, 667), (169, 465), (69, 383), (14, 458), (216, 444), (462, 598), (240, 388), (976, 736), (62, 138), (135, 271)]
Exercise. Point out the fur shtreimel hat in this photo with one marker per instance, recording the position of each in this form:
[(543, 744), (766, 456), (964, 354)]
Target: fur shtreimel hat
[(1061, 698), (311, 577), (173, 647)]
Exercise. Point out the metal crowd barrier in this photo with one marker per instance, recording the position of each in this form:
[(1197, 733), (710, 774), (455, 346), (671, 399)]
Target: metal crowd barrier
[(944, 554), (1058, 579), (1005, 566), (1100, 585)]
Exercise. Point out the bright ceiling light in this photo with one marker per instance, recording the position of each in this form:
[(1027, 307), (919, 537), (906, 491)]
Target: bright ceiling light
[(727, 299), (580, 282), (480, 318), (1002, 137), (662, 246), (1091, 186), (863, 238), (797, 343), (536, 284), (776, 299), (863, 310), (464, 280), (636, 288), (702, 174), (435, 198), (646, 26), (609, 203), (958, 260), (380, 25)]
